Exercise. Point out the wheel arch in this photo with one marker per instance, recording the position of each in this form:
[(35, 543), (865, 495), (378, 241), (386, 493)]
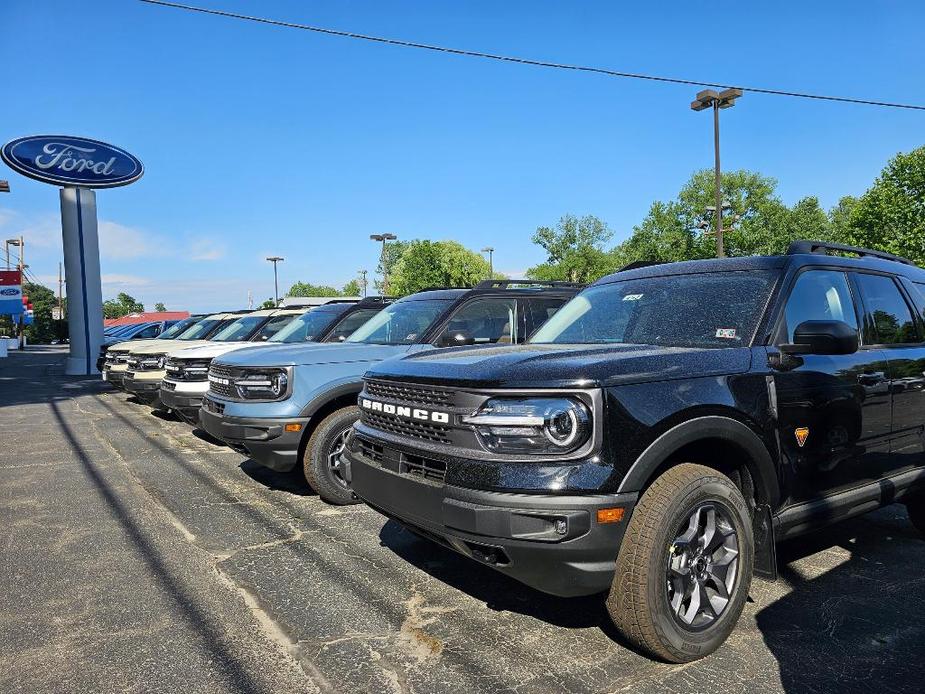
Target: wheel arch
[(715, 441), (324, 404)]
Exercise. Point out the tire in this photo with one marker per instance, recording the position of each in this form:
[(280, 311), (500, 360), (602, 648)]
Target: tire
[(916, 508), (666, 529), (317, 464)]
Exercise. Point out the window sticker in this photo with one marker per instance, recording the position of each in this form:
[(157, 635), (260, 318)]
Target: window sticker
[(632, 297), (726, 333)]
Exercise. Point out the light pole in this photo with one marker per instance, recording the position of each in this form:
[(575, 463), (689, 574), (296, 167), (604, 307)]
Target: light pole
[(723, 99), (385, 275), (491, 264), (362, 274), (275, 259), (7, 244)]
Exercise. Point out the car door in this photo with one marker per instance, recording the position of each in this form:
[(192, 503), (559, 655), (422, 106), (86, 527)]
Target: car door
[(891, 323), (834, 411)]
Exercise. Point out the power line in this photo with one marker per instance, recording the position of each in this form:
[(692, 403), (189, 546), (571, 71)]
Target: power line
[(526, 61)]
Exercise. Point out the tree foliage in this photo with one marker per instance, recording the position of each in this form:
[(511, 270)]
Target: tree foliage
[(574, 250), (309, 289), (352, 288), (387, 262), (159, 306), (122, 305), (436, 264), (890, 216)]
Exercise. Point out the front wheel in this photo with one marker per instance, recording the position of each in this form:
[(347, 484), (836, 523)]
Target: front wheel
[(321, 458), (685, 565)]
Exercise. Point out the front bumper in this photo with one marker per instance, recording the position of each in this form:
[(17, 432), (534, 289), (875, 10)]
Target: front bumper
[(114, 374), (263, 439), (521, 535), (184, 401), (144, 388)]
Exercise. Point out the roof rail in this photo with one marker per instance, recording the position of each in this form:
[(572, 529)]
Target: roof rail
[(820, 247), (635, 265), (504, 284)]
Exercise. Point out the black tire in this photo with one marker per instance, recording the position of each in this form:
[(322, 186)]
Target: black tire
[(916, 508), (653, 568), (321, 475)]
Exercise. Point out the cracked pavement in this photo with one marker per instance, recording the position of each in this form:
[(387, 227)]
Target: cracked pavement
[(140, 556)]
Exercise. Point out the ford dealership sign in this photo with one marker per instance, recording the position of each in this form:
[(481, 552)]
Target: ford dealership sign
[(71, 161)]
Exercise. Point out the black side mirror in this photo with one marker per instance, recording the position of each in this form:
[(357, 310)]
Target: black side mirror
[(823, 337), (457, 338)]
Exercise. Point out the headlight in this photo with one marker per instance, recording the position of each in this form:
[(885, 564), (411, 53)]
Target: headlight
[(532, 425), (269, 384), (162, 362)]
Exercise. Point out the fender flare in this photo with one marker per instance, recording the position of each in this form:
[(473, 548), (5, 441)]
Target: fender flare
[(759, 461), (337, 391)]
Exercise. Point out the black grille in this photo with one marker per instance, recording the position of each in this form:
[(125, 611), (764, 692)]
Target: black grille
[(406, 392), (167, 385), (188, 369), (425, 431), (222, 389), (426, 468), (370, 450)]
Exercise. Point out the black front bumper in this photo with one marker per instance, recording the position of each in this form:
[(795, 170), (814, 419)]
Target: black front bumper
[(550, 542), (264, 440), (146, 391), (184, 404)]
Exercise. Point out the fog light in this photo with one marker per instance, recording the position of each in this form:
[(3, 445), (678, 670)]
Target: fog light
[(293, 427), (561, 526), (609, 515)]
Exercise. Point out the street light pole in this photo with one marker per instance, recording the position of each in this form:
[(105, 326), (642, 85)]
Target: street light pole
[(385, 275), (362, 274), (491, 264), (275, 259), (725, 99)]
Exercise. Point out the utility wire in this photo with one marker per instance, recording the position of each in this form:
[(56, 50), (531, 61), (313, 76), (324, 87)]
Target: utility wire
[(526, 61)]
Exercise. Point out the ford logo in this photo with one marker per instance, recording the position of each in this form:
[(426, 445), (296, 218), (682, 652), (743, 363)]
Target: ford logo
[(71, 161), (9, 291)]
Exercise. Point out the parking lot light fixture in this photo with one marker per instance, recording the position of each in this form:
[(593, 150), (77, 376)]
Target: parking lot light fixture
[(275, 259), (491, 265), (383, 238), (717, 100), (4, 186)]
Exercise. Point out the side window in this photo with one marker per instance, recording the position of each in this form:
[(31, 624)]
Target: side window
[(273, 326), (818, 295), (487, 321), (345, 328), (540, 310), (148, 333), (892, 319)]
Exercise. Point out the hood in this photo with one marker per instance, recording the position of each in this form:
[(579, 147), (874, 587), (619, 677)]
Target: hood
[(312, 353), (210, 350), (126, 345), (163, 346), (563, 366)]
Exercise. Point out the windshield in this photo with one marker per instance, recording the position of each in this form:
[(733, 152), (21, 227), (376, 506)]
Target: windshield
[(402, 323), (176, 328), (200, 330), (241, 329), (311, 325), (719, 309)]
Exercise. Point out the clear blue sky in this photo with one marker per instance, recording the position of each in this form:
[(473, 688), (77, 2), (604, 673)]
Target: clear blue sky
[(260, 140)]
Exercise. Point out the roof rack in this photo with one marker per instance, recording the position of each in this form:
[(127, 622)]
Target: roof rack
[(504, 284), (635, 265), (820, 247)]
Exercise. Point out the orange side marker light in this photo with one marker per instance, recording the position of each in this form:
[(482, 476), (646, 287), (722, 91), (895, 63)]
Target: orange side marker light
[(610, 515), (293, 427)]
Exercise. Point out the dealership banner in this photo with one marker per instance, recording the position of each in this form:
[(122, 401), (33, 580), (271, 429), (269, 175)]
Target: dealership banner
[(10, 292)]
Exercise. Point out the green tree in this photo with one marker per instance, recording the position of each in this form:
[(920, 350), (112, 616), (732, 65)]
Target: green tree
[(393, 251), (269, 303), (890, 216), (436, 264), (43, 328), (122, 305), (309, 289), (159, 306), (352, 288), (574, 250)]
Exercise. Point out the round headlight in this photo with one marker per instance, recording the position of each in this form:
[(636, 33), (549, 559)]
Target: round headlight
[(536, 425)]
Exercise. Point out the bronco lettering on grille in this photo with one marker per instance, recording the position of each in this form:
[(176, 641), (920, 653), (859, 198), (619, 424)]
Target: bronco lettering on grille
[(407, 412)]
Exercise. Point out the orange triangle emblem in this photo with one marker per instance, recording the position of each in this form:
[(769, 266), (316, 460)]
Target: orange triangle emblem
[(802, 434)]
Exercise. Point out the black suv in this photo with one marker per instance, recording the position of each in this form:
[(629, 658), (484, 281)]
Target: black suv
[(661, 431)]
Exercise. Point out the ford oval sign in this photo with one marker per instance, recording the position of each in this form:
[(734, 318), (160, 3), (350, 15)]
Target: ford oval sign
[(71, 161)]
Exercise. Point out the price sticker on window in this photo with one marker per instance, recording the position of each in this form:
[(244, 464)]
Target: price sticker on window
[(726, 333), (632, 297)]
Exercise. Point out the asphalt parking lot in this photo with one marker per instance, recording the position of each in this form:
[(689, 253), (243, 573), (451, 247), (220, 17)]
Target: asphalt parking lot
[(139, 556)]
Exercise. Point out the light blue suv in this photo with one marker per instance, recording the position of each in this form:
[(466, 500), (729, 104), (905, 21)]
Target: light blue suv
[(294, 404)]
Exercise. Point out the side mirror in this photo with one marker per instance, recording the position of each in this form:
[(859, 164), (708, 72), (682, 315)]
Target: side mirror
[(456, 338), (827, 337)]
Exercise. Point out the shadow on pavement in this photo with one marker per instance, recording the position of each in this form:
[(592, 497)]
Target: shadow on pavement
[(292, 481)]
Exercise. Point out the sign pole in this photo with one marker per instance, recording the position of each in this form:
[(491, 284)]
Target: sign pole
[(82, 274)]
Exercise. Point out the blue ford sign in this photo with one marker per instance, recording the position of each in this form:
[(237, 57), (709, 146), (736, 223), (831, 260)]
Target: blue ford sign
[(71, 161)]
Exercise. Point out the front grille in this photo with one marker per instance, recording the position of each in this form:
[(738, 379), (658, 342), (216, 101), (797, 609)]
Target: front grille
[(370, 450), (188, 369), (421, 468), (224, 390), (167, 385), (424, 431), (406, 392), (425, 468), (122, 359)]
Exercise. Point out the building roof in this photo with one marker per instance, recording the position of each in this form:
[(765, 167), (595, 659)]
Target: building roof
[(146, 318)]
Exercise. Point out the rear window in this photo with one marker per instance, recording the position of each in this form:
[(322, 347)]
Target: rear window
[(719, 309)]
